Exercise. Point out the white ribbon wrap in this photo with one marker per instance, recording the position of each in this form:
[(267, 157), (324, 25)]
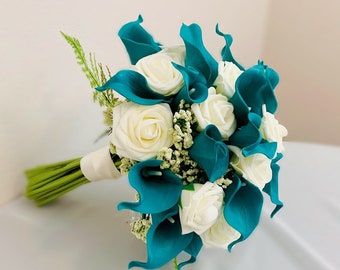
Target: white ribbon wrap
[(98, 165)]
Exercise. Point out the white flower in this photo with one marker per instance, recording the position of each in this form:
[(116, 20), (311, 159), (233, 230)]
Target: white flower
[(200, 207), (254, 168), (177, 53), (228, 73), (161, 75), (220, 235), (272, 130), (139, 132), (218, 111)]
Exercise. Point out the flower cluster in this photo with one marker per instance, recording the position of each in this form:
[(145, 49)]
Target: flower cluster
[(140, 227), (125, 165), (176, 158), (199, 140), (223, 182)]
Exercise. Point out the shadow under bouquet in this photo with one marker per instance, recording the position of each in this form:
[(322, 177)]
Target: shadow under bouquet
[(196, 136)]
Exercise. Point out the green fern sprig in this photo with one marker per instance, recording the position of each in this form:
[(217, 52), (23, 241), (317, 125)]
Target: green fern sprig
[(81, 59), (94, 72)]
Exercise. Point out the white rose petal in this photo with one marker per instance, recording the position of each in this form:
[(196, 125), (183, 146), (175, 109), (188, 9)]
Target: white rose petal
[(139, 132), (177, 53), (200, 207), (161, 75), (272, 130), (220, 235), (254, 168), (218, 111), (228, 73)]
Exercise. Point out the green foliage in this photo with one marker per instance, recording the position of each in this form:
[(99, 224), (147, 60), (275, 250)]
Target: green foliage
[(47, 183), (94, 72), (175, 263), (189, 187)]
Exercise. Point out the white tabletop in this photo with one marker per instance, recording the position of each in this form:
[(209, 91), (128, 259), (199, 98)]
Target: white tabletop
[(84, 231)]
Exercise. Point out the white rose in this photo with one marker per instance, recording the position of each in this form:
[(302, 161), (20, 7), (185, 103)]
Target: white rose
[(272, 130), (254, 168), (218, 111), (220, 235), (139, 132), (228, 73), (161, 75), (177, 53), (200, 207)]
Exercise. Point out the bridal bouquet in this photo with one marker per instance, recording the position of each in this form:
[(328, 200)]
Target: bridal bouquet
[(197, 137)]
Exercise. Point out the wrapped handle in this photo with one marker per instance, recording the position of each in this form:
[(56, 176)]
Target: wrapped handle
[(98, 165)]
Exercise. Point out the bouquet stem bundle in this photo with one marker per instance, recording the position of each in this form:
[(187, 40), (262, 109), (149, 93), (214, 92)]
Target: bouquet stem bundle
[(46, 183)]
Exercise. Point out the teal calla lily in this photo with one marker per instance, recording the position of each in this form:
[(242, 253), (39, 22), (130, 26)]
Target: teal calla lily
[(137, 41), (256, 87), (158, 189), (165, 240), (226, 51), (272, 188), (241, 110), (193, 249), (249, 139), (243, 206), (134, 87), (195, 89), (211, 153), (266, 148), (197, 56), (253, 89), (199, 72)]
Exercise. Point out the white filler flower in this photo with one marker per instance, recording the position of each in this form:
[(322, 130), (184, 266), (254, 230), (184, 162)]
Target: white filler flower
[(228, 73), (161, 75), (272, 130), (218, 111), (254, 168), (200, 208), (139, 132), (220, 235)]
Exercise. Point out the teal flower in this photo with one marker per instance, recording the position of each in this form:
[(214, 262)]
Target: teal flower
[(165, 241), (272, 188), (243, 206), (197, 56), (249, 138), (134, 87), (195, 89), (226, 52), (211, 153), (159, 190), (253, 89), (137, 41), (199, 70)]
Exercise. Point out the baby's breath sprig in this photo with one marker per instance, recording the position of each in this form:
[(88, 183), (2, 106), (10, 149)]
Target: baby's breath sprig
[(125, 165), (140, 228), (177, 158), (223, 182), (122, 164)]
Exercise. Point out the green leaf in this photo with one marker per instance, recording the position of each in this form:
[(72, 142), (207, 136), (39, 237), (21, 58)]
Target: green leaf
[(189, 187), (180, 204)]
